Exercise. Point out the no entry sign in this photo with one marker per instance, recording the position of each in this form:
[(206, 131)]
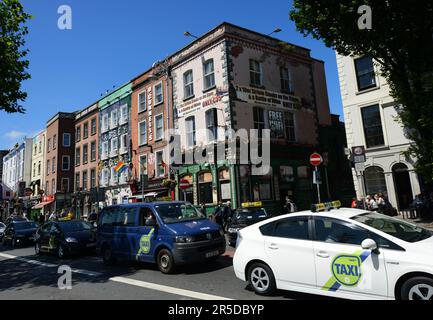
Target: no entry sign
[(184, 184), (316, 159)]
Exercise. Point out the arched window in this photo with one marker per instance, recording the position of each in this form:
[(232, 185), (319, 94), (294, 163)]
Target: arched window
[(402, 185), (224, 184), (205, 187), (374, 180)]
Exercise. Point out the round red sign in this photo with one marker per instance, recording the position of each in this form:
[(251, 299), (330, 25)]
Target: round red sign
[(184, 184), (316, 159)]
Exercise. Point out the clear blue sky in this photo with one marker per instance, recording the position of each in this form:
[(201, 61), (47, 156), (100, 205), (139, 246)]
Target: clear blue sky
[(112, 41)]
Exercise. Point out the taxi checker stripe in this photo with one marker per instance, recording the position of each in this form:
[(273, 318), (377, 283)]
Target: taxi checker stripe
[(332, 284)]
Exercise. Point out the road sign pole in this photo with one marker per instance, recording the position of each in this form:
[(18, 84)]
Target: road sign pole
[(317, 184)]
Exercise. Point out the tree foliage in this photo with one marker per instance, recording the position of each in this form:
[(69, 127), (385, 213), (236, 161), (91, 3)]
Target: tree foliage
[(13, 65), (400, 41)]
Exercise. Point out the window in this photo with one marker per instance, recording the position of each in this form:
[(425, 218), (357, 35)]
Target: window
[(188, 83), (337, 231), (289, 123), (365, 73), (49, 145), (142, 133), (105, 122), (114, 118), (105, 149), (114, 176), (190, 131), (142, 101), (160, 165), (259, 119), (36, 150), (372, 126), (48, 167), (124, 142), (124, 113), (159, 97), (77, 156), (39, 168), (85, 153), (77, 133), (294, 228), (255, 73), (92, 178), (40, 146), (65, 184), (34, 169), (104, 176), (85, 180), (143, 164), (53, 186), (212, 124), (54, 165), (77, 181), (114, 146), (374, 180), (93, 151), (66, 139), (55, 142), (224, 182), (209, 76), (86, 130), (47, 187), (205, 187), (93, 126), (65, 163), (159, 127), (286, 80)]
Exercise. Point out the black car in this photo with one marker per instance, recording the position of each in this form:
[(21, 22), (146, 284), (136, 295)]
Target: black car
[(242, 218), (15, 219), (64, 238), (19, 233)]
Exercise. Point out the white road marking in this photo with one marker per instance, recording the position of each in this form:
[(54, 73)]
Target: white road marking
[(137, 283), (167, 289)]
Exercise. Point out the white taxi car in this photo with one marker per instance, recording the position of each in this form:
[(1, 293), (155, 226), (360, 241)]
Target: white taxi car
[(344, 253)]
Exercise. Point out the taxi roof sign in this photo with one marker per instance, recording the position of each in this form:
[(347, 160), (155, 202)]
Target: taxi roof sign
[(326, 206), (251, 204)]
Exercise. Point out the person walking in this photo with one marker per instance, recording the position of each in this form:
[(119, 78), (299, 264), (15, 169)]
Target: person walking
[(227, 215), (218, 215)]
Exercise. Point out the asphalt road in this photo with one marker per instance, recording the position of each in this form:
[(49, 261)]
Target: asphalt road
[(23, 275)]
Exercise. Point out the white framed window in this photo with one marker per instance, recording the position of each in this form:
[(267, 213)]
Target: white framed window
[(190, 131), (209, 75), (114, 118), (212, 124), (142, 133), (159, 127), (160, 165), (255, 72), (66, 139), (105, 122), (114, 146), (188, 83), (124, 142), (113, 177), (124, 114), (104, 176), (157, 92), (143, 164), (105, 149), (66, 163), (142, 101)]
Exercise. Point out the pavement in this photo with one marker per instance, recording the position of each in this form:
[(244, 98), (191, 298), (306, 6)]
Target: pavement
[(422, 223), (23, 275)]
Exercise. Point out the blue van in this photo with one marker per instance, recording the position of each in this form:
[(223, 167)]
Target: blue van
[(169, 233)]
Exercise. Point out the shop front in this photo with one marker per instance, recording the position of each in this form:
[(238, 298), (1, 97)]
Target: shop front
[(154, 188)]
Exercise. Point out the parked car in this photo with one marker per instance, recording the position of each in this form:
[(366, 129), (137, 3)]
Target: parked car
[(19, 233), (15, 218), (342, 253), (169, 233), (64, 238), (242, 218)]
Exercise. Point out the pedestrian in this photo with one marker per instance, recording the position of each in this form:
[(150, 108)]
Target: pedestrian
[(372, 204), (354, 203), (227, 214), (218, 214), (291, 206), (203, 208)]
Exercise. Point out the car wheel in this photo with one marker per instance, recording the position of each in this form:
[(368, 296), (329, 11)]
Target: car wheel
[(165, 261), (418, 288), (261, 279), (107, 256), (61, 252)]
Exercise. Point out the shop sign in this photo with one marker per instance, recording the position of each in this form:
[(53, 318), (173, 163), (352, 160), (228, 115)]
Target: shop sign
[(276, 124)]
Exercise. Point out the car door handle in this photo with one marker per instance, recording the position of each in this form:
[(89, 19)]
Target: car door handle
[(273, 246), (322, 254)]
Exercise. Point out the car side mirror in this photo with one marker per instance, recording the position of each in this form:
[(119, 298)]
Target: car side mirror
[(370, 244), (151, 223)]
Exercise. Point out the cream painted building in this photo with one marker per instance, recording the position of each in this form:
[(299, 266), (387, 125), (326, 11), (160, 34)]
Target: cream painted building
[(38, 161), (371, 116)]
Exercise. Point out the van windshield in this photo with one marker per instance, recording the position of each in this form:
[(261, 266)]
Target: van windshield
[(178, 212)]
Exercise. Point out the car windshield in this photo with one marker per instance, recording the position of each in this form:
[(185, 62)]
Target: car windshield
[(74, 226), (251, 214), (178, 212), (24, 225), (394, 227)]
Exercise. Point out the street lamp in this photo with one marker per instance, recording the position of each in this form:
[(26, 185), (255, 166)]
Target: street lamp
[(276, 30), (188, 34)]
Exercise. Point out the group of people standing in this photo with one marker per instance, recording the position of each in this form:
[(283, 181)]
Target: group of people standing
[(376, 202)]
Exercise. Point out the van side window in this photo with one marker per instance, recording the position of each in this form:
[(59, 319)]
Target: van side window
[(107, 217), (144, 212), (124, 217)]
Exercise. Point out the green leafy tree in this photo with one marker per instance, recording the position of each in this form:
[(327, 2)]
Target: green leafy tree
[(13, 65), (401, 43)]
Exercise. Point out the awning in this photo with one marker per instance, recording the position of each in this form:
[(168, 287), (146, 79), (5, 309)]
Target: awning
[(42, 204), (146, 195)]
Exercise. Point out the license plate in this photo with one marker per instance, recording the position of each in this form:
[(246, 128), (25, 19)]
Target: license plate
[(212, 254)]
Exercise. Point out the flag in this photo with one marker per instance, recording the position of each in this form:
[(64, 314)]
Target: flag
[(120, 167), (163, 164)]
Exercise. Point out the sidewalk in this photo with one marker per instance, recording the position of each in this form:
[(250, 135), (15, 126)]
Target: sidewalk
[(422, 223)]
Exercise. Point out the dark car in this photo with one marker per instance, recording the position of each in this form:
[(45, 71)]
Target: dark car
[(2, 230), (242, 218), (64, 238), (19, 233), (15, 219)]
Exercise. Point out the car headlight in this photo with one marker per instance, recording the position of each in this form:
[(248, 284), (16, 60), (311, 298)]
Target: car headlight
[(183, 239), (71, 240), (233, 230)]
